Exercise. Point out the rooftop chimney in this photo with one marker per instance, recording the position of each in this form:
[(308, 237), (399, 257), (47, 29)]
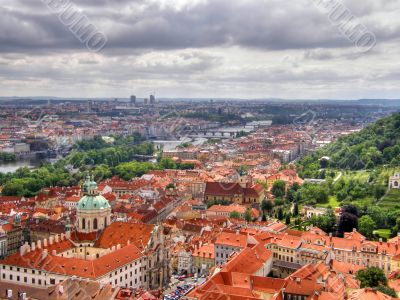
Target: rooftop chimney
[(44, 253), (57, 238), (39, 244), (51, 238), (45, 243), (33, 248)]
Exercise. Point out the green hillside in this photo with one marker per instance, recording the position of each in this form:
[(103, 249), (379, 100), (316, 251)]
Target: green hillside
[(376, 145)]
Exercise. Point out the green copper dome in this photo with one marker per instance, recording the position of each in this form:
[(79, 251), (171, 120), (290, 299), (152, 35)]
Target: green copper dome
[(92, 199), (92, 202)]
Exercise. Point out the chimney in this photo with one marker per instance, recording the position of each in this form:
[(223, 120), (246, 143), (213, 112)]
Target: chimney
[(68, 234), (33, 246), (62, 236), (51, 238), (22, 250), (39, 244), (354, 230), (54, 252), (57, 238), (44, 253), (118, 246), (45, 243)]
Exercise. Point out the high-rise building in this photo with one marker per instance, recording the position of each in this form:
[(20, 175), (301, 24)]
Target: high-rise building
[(146, 101), (152, 99), (133, 100)]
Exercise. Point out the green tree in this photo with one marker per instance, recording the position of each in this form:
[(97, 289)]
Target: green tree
[(247, 215), (296, 209), (266, 205), (13, 188), (167, 163), (280, 214), (170, 186), (234, 215), (326, 222), (366, 226), (371, 277), (279, 188), (386, 290), (287, 220)]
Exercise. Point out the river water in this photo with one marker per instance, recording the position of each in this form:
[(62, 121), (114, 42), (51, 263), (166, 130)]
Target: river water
[(6, 167)]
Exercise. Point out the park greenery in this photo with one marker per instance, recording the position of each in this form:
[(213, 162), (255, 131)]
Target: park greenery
[(354, 173), (102, 159)]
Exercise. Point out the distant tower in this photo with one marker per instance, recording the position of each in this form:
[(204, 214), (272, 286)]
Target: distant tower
[(146, 101), (90, 106), (152, 99), (133, 100)]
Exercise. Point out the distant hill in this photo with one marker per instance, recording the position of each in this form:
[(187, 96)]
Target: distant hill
[(376, 145)]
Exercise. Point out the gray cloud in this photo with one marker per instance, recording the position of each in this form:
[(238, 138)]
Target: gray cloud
[(263, 24), (254, 48)]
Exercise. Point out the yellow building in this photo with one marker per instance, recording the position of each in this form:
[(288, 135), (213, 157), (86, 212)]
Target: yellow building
[(203, 259)]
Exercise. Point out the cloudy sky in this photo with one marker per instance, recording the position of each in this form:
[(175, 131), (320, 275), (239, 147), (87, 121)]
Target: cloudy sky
[(200, 48)]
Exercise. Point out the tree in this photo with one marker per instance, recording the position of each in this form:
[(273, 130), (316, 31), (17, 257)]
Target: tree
[(366, 226), (167, 163), (280, 214), (266, 205), (379, 192), (314, 193), (347, 222), (326, 222), (13, 188), (287, 220), (296, 209), (264, 218), (386, 290), (247, 215), (170, 186), (371, 277), (279, 188), (234, 215)]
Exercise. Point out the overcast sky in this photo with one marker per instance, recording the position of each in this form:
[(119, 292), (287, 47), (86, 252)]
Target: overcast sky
[(200, 48)]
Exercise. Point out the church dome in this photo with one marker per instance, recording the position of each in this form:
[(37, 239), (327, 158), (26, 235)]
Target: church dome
[(93, 202)]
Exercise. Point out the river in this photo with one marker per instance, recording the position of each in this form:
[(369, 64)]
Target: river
[(32, 163)]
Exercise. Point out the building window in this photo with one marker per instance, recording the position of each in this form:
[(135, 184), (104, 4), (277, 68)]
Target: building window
[(95, 223)]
